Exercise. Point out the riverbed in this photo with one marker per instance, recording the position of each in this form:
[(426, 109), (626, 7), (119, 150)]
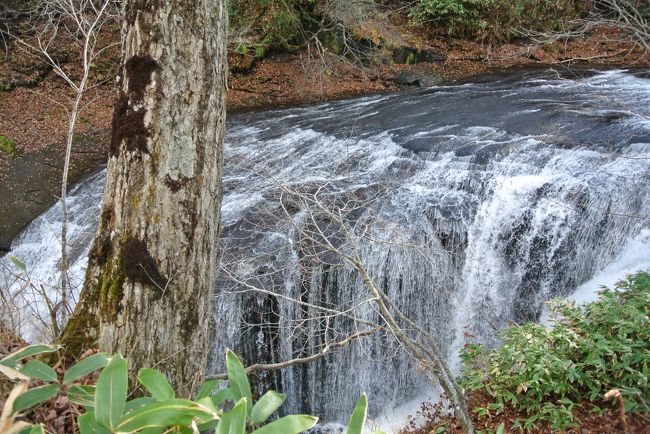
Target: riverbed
[(470, 204)]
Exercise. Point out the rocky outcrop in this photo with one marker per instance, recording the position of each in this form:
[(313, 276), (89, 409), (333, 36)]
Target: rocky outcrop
[(416, 78), (33, 180), (410, 55)]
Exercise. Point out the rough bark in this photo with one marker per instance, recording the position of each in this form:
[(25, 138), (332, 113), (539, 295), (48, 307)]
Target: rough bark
[(148, 287)]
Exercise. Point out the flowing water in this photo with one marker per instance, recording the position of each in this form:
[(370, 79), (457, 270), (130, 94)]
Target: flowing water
[(469, 205)]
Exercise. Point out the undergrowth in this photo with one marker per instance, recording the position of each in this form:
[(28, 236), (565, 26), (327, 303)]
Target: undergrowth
[(544, 372), (497, 20), (97, 391)]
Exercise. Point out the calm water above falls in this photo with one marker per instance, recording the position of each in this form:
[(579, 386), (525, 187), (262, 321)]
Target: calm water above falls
[(478, 202)]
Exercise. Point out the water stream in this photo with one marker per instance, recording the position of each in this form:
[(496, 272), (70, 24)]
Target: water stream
[(470, 205)]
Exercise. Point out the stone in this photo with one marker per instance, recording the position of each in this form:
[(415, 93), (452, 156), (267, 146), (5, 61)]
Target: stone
[(410, 55), (421, 79)]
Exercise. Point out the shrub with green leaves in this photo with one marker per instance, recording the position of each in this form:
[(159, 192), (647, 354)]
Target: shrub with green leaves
[(267, 24), (497, 20), (543, 372), (106, 408)]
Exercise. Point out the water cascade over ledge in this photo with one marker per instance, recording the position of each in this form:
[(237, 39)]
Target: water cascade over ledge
[(469, 204)]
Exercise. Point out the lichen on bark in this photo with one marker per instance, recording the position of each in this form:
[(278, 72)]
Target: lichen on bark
[(152, 267), (111, 290)]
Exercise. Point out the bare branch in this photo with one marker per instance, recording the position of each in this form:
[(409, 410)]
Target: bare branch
[(302, 360)]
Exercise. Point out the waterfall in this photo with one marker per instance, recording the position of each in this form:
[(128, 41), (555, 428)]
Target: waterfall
[(470, 205), (39, 248)]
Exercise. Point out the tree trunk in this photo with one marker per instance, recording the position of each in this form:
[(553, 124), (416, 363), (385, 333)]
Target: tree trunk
[(148, 288)]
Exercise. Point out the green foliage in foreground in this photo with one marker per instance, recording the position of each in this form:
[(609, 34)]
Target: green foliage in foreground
[(497, 20), (107, 409), (544, 372)]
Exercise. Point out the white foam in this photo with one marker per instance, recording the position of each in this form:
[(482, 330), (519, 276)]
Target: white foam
[(393, 420), (635, 257)]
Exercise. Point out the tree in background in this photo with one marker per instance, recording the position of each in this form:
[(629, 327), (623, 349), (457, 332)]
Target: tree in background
[(148, 287), (48, 23)]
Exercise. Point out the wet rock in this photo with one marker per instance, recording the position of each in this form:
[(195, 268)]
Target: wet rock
[(32, 182), (241, 63), (410, 56), (413, 78)]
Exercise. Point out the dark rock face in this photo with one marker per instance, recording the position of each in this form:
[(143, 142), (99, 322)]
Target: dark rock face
[(413, 78), (410, 56), (34, 182), (21, 72)]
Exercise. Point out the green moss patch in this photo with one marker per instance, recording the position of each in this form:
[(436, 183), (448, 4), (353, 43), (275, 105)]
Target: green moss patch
[(137, 264), (8, 146)]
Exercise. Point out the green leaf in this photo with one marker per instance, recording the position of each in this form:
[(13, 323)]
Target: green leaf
[(293, 424), (234, 422), (82, 395), (12, 374), (207, 403), (110, 392), (212, 424), (17, 262), (89, 425), (85, 367), (37, 429), (39, 370), (35, 396), (156, 384), (138, 402), (208, 426), (222, 396), (501, 429), (206, 389), (176, 411), (238, 380), (267, 404), (12, 359), (358, 417), (153, 430)]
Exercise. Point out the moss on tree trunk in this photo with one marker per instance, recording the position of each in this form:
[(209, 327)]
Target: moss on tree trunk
[(148, 287)]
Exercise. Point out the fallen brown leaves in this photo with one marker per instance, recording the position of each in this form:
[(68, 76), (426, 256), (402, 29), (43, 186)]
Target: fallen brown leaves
[(58, 414), (435, 416)]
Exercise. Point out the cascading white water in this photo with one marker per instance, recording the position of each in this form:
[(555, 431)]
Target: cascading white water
[(479, 202), (39, 247)]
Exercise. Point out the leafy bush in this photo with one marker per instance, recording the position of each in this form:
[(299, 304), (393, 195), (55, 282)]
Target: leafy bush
[(544, 372), (106, 409), (496, 20), (260, 25)]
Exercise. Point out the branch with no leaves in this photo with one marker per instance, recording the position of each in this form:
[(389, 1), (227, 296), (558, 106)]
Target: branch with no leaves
[(302, 360), (328, 224), (81, 22), (625, 17)]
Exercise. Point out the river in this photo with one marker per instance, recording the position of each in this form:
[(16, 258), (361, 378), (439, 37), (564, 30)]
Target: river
[(470, 204)]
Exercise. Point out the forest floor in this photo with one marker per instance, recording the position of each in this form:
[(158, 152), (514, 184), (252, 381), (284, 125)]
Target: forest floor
[(431, 417)]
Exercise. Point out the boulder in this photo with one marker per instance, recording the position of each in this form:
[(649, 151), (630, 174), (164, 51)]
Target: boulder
[(414, 78), (410, 55)]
